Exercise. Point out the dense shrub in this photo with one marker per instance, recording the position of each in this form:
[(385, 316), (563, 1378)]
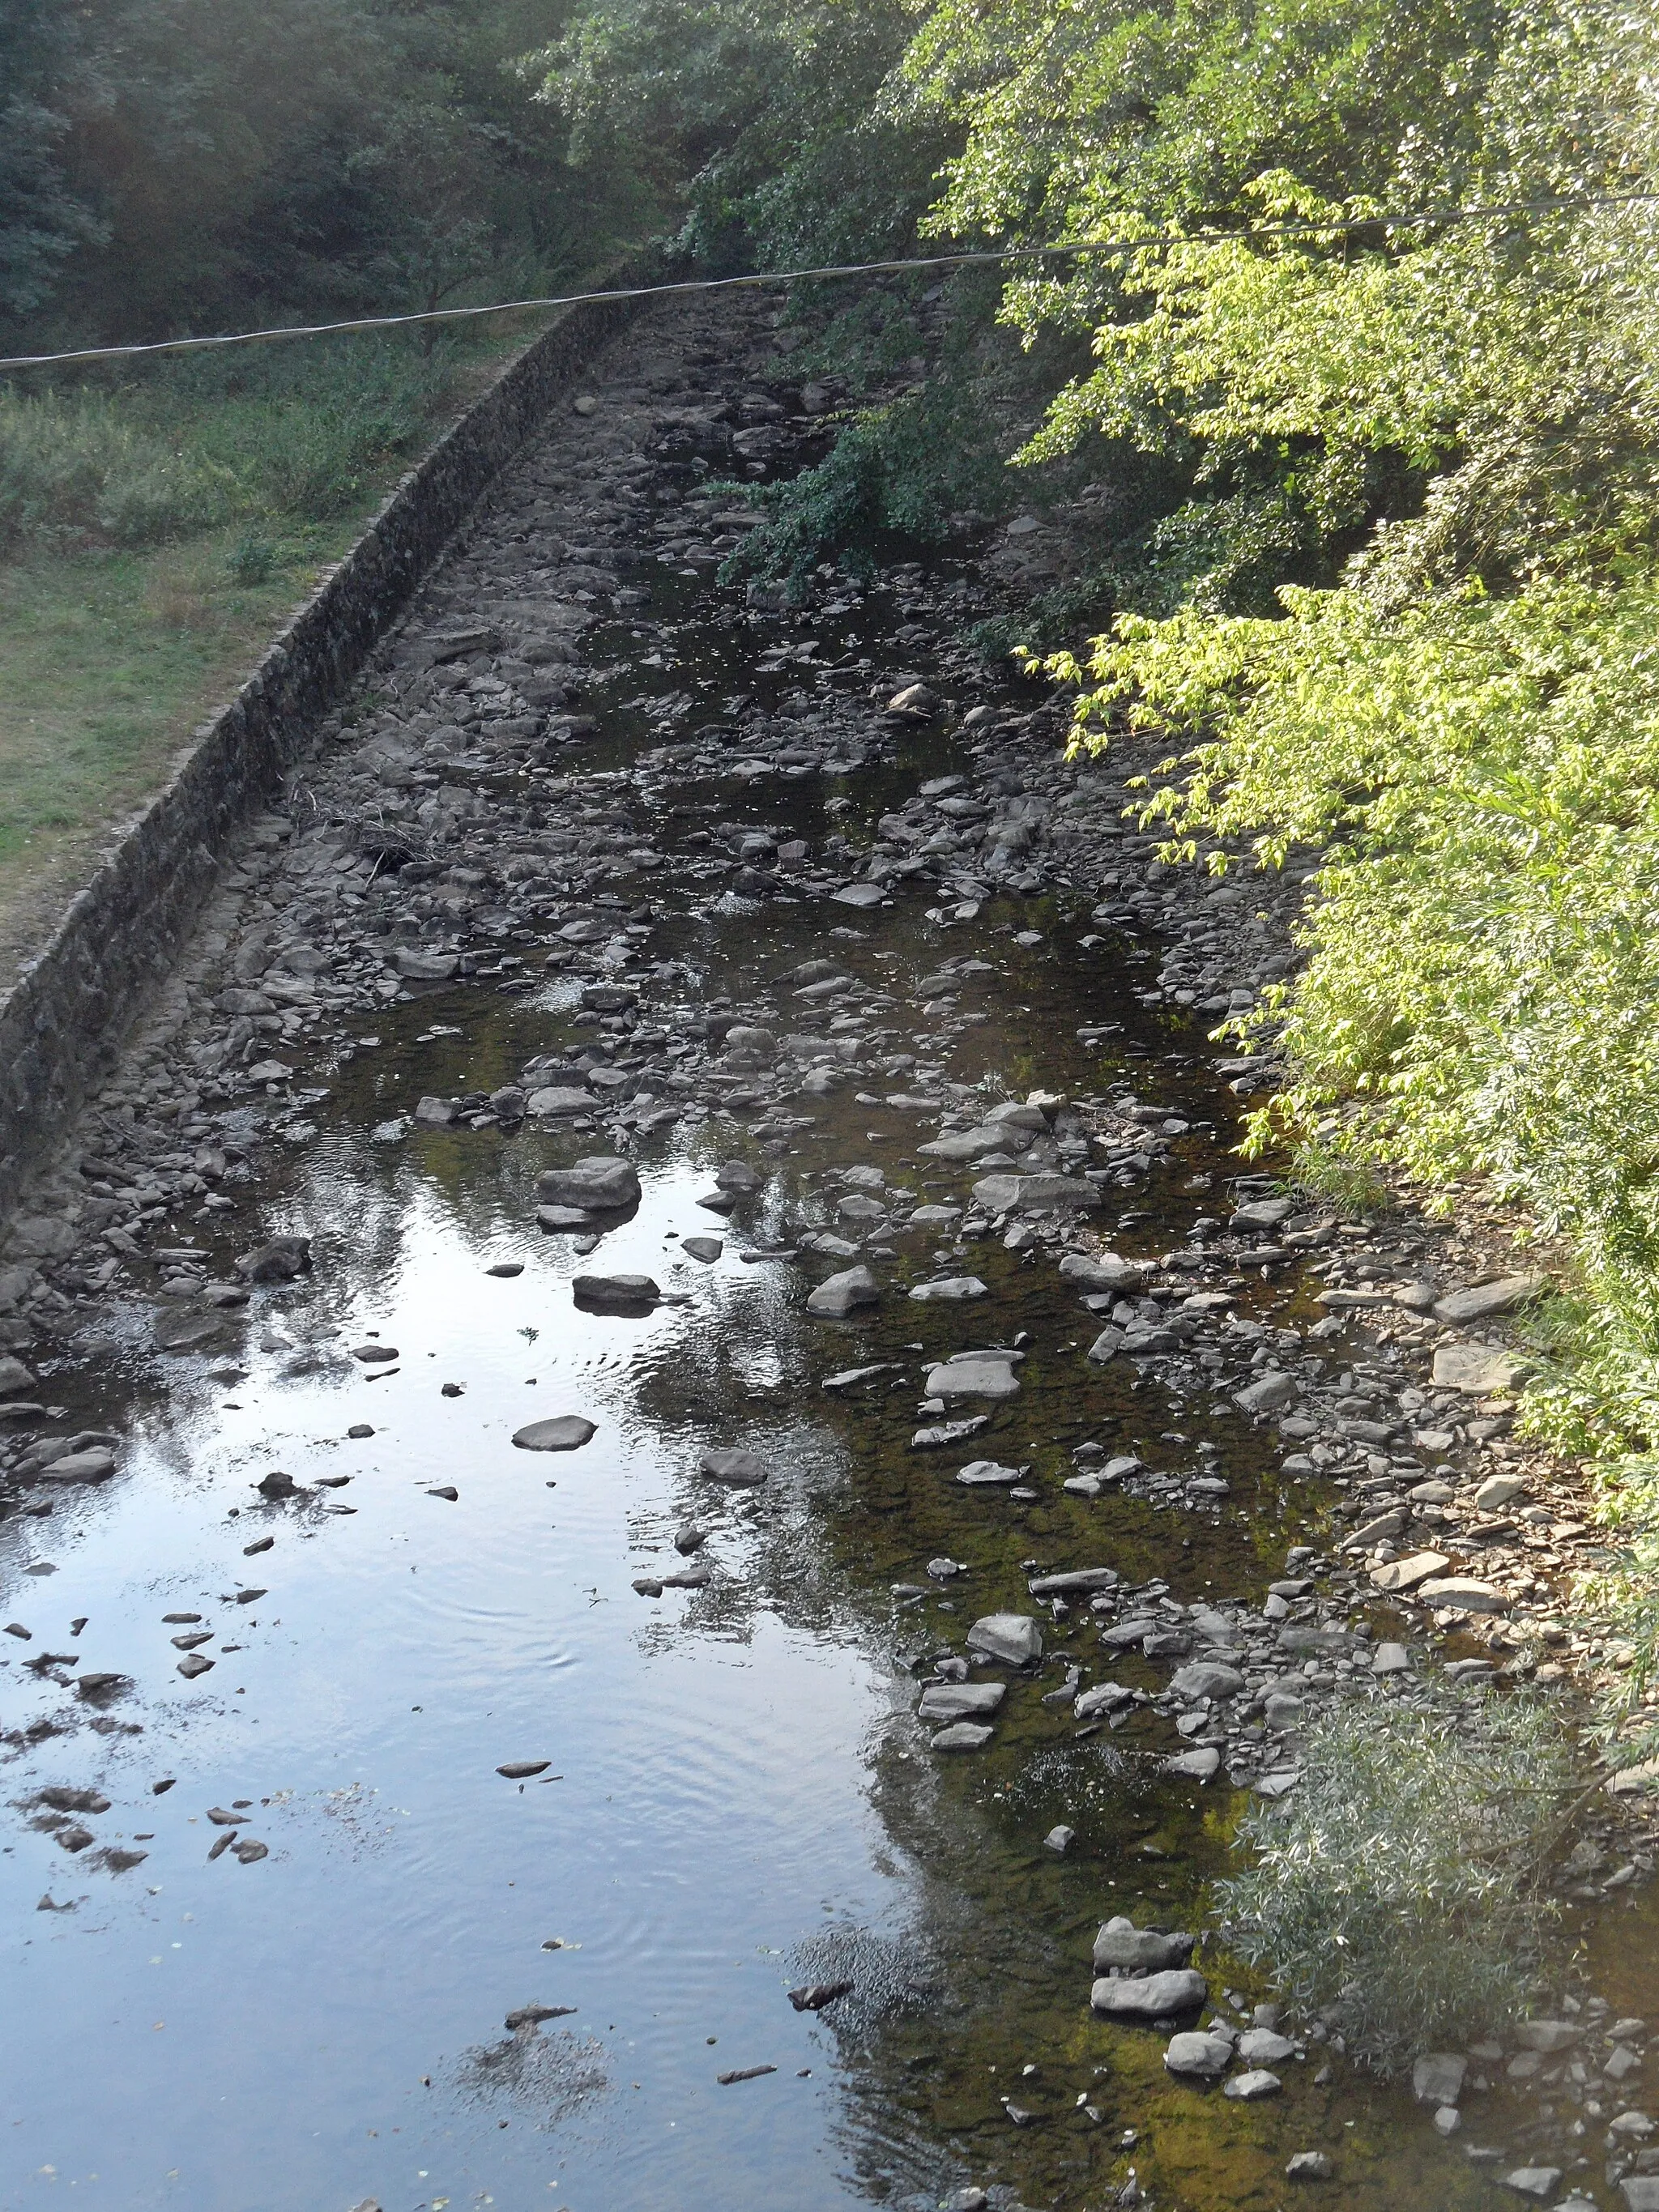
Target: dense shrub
[(1401, 1892)]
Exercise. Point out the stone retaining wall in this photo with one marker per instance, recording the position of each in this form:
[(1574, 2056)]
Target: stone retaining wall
[(62, 1020)]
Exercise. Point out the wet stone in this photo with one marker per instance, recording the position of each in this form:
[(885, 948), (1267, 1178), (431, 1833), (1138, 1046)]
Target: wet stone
[(600, 1184), (963, 1735), (615, 1294), (1206, 2057), (1013, 1639), (738, 1468), (1157, 1996), (843, 1294), (1250, 2088), (975, 1375), (1140, 1950), (560, 1433)]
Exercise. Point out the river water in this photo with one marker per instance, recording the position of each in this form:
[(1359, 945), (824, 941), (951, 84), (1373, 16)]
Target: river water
[(736, 1802)]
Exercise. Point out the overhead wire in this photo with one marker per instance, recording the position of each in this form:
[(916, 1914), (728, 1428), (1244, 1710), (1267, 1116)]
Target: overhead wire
[(1414, 219)]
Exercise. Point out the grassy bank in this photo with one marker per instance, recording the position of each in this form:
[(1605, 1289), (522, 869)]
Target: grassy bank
[(152, 536)]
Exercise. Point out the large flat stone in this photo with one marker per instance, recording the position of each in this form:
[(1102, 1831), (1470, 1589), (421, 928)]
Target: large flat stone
[(600, 1184), (1037, 1193), (1014, 1637), (975, 1375), (960, 1701), (738, 1468), (839, 1295), (1408, 1574), (1482, 1300), (557, 1102), (1464, 1592), (1204, 1678), (1199, 2058), (1157, 1996), (1121, 1944), (963, 1735), (560, 1432), (1479, 1371), (615, 1294)]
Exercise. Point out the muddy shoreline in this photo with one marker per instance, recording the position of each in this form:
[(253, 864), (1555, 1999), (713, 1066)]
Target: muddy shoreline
[(750, 1011)]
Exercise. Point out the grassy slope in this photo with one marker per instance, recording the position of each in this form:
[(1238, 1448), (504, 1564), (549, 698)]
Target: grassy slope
[(110, 657)]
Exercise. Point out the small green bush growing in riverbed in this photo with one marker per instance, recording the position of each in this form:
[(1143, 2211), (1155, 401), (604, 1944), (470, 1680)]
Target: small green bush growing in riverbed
[(1405, 1881)]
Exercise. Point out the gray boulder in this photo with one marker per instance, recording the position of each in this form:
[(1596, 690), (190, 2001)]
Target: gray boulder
[(1013, 1637), (615, 1294), (1158, 1997), (963, 1735), (737, 1468), (1205, 2057), (14, 1378), (1037, 1193), (1248, 2088), (975, 1375), (839, 1295), (561, 1432), (601, 1184), (1438, 2077), (1144, 1950), (1206, 1678), (960, 1701), (1483, 1300)]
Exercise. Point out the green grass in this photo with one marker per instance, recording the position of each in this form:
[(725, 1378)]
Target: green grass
[(153, 536), (110, 662)]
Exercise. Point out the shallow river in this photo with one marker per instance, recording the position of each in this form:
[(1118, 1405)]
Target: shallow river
[(736, 1802)]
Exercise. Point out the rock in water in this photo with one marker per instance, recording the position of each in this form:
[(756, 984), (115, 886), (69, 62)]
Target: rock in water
[(742, 1470), (975, 1375), (1206, 2057), (817, 1994), (1248, 2088), (843, 1293), (949, 1289), (1158, 1997), (602, 1184), (959, 1701), (615, 1294), (963, 1735), (532, 2016), (14, 1378), (1012, 1637), (1121, 1944), (562, 1433), (279, 1262)]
